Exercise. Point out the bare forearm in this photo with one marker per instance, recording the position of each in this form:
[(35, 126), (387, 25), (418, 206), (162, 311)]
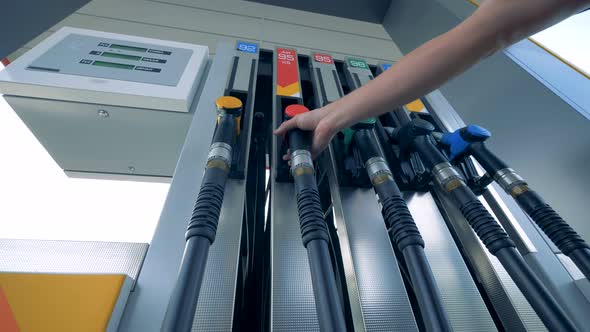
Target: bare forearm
[(496, 24)]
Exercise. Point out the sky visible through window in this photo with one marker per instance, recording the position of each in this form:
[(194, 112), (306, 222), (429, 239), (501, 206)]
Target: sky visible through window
[(38, 201), (570, 40)]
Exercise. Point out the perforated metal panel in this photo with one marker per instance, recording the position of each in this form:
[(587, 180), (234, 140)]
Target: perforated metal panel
[(216, 300), (462, 302), (292, 303), (382, 294), (71, 256)]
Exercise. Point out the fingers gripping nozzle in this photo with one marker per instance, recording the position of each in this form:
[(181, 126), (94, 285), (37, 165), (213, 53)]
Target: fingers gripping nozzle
[(460, 140), (299, 143), (232, 106)]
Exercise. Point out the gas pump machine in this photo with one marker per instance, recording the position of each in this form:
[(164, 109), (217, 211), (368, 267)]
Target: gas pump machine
[(407, 222)]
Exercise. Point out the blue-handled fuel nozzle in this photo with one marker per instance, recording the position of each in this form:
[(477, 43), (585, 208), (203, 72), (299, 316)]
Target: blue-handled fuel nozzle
[(460, 140)]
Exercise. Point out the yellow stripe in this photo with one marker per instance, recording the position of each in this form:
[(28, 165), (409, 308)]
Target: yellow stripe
[(415, 106), (558, 57), (571, 65), (288, 90), (61, 302)]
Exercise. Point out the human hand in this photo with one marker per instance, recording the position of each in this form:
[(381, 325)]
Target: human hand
[(311, 121)]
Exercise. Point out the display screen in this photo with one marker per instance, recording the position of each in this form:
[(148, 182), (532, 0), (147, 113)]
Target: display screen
[(121, 56), (129, 48), (113, 65)]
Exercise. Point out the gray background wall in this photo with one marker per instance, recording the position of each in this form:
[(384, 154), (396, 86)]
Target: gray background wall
[(534, 130), (207, 22), (22, 20)]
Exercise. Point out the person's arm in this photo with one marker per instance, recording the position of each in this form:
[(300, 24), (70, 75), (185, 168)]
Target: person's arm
[(493, 26)]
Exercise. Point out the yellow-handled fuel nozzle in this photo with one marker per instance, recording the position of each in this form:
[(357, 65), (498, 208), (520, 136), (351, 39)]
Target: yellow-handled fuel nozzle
[(229, 105)]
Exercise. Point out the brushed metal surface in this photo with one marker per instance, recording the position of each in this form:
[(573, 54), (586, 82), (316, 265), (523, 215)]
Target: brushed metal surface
[(462, 301), (513, 309), (292, 300), (382, 294)]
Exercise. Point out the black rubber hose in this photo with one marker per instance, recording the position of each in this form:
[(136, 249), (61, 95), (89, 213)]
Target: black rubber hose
[(427, 293), (485, 226), (405, 235), (200, 234), (183, 301), (488, 160), (315, 237), (554, 318), (499, 244), (562, 234)]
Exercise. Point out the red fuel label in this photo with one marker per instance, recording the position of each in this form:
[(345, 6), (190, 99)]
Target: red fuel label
[(323, 58), (287, 73)]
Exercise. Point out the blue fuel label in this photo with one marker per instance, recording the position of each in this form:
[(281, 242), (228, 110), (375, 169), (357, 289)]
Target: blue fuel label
[(247, 47)]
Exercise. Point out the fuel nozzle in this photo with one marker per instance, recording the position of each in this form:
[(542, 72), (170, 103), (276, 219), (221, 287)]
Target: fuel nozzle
[(295, 109), (349, 132), (405, 135), (232, 106), (460, 140), (299, 142)]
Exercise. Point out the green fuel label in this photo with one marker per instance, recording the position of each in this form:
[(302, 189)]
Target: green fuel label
[(357, 63)]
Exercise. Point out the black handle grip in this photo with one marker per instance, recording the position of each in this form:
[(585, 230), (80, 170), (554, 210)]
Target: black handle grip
[(311, 217), (562, 234), (489, 231), (400, 223), (206, 212)]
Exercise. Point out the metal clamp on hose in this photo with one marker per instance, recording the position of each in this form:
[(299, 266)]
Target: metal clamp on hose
[(446, 176), (301, 162), (510, 181), (378, 170), (219, 152)]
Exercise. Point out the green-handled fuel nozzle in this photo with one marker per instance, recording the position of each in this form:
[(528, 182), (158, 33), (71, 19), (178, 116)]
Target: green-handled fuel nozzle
[(349, 132)]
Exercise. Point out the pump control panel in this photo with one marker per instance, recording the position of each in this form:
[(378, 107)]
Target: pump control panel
[(124, 60), (86, 66)]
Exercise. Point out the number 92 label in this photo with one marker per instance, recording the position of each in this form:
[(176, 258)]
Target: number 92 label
[(247, 47)]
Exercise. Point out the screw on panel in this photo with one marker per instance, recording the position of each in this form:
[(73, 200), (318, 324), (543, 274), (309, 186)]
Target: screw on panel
[(131, 169), (103, 113)]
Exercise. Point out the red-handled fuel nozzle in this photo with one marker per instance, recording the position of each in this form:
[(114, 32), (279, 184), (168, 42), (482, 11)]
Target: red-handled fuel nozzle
[(295, 109)]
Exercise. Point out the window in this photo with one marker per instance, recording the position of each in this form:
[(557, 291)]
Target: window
[(38, 201), (569, 41)]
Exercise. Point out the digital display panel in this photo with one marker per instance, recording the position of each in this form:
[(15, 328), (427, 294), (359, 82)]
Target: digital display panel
[(121, 56), (128, 48), (113, 65)]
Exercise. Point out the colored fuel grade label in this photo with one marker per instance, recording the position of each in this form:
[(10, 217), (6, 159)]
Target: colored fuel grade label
[(287, 73), (247, 47), (357, 63), (386, 66), (416, 106), (323, 58)]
